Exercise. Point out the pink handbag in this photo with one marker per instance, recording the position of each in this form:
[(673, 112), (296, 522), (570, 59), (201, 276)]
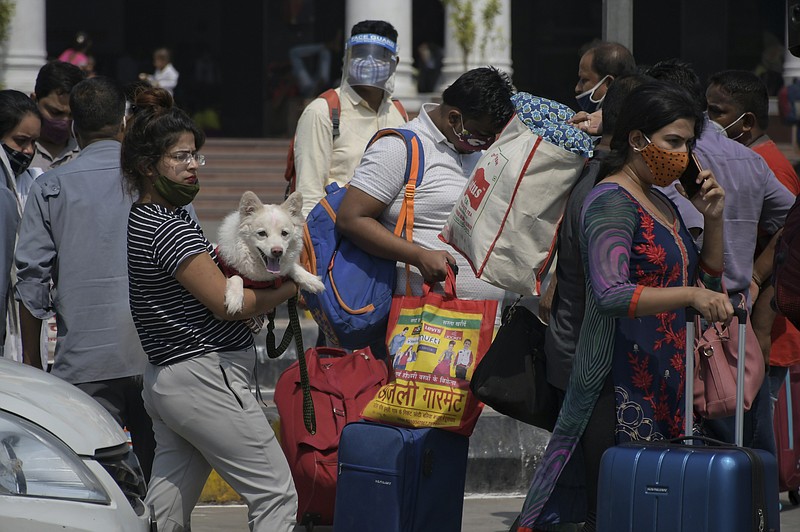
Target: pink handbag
[(716, 352)]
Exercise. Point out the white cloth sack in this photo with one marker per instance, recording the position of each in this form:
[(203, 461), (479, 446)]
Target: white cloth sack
[(506, 221)]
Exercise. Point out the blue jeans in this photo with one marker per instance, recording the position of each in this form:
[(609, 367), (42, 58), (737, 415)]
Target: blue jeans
[(777, 378), (758, 432)]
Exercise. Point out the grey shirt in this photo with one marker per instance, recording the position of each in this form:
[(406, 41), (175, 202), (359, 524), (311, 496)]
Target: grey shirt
[(9, 219), (73, 233), (46, 161), (569, 300)]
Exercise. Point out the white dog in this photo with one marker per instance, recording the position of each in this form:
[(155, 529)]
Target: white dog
[(263, 243)]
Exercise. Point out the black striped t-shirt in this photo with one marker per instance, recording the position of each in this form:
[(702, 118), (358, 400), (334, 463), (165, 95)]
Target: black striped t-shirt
[(172, 324)]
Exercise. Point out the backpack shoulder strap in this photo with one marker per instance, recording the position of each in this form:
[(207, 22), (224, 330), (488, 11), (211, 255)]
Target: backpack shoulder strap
[(415, 169), (400, 108), (334, 109)]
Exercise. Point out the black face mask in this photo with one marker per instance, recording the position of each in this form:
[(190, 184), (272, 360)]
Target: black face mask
[(18, 160)]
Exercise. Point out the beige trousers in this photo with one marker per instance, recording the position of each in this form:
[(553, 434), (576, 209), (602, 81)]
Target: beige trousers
[(204, 416)]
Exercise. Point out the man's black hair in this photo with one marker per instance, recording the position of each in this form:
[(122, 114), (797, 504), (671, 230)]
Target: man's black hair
[(98, 105), (612, 59), (747, 90), (58, 77), (378, 27), (681, 73), (480, 92)]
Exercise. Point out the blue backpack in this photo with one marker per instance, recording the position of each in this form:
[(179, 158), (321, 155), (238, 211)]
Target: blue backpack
[(353, 310)]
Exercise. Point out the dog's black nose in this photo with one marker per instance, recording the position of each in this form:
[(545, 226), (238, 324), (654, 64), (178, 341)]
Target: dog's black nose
[(277, 252)]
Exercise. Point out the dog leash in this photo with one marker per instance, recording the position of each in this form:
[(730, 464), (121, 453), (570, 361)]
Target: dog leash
[(293, 331)]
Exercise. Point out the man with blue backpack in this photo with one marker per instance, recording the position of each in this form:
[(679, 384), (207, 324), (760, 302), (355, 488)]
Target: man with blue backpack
[(335, 127), (450, 136)]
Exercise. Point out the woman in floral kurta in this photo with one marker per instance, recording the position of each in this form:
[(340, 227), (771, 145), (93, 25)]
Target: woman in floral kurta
[(641, 269)]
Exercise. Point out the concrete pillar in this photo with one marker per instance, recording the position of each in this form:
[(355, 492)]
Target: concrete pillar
[(618, 22), (498, 43), (398, 14), (24, 53), (791, 64)]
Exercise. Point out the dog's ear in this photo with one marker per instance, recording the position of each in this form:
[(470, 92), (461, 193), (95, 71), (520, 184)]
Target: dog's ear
[(294, 203), (249, 203)]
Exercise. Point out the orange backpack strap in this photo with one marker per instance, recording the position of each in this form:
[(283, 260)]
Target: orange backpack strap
[(334, 110), (415, 169), (400, 108)]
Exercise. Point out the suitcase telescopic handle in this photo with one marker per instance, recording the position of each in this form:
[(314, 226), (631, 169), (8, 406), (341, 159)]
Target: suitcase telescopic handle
[(741, 314), (691, 314)]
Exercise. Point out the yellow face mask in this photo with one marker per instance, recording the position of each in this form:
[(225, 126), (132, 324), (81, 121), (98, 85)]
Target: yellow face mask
[(666, 166)]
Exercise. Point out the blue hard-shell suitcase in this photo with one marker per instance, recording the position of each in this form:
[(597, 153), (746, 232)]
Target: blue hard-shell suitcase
[(394, 479), (671, 487), (674, 487)]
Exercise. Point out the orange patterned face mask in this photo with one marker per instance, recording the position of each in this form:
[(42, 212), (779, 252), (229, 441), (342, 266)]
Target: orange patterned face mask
[(666, 166)]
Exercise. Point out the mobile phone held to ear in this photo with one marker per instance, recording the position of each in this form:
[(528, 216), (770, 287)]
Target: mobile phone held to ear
[(689, 177)]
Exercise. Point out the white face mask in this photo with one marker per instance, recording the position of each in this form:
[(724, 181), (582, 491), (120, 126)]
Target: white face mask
[(586, 99), (725, 129), (369, 71)]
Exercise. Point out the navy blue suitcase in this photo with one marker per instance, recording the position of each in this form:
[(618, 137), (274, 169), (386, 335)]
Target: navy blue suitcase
[(674, 487), (671, 487), (394, 479)]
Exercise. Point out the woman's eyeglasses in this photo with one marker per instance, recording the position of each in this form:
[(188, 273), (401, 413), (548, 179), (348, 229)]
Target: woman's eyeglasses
[(185, 157)]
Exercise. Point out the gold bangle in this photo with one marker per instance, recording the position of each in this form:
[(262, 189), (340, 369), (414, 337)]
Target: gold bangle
[(757, 281)]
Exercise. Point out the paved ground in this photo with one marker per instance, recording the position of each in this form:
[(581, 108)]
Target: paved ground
[(481, 514)]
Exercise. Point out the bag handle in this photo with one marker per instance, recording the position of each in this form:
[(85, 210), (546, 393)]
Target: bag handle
[(449, 283)]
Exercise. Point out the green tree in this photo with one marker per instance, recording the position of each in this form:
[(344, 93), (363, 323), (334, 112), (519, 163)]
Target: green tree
[(6, 12), (462, 16)]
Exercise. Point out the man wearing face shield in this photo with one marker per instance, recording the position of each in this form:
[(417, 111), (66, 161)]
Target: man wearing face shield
[(325, 153)]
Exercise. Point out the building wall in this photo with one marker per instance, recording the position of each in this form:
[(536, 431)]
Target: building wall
[(248, 42)]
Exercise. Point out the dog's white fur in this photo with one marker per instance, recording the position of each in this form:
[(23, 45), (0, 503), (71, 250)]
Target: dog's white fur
[(258, 238)]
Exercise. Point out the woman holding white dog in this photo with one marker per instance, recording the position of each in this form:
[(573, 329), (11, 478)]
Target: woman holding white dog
[(196, 387)]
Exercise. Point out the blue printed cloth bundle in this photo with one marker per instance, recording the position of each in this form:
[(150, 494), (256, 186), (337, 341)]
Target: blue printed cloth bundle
[(548, 119)]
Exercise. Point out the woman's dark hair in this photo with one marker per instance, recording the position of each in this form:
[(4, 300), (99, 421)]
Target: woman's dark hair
[(648, 108), (14, 105), (482, 92), (156, 125)]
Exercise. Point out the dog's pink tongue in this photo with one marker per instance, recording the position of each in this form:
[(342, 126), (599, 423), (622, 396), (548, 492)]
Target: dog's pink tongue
[(273, 265)]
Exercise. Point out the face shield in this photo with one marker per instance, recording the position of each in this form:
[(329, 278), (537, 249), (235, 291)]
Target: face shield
[(370, 60)]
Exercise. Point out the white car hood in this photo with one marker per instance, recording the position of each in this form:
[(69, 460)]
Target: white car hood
[(57, 406)]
